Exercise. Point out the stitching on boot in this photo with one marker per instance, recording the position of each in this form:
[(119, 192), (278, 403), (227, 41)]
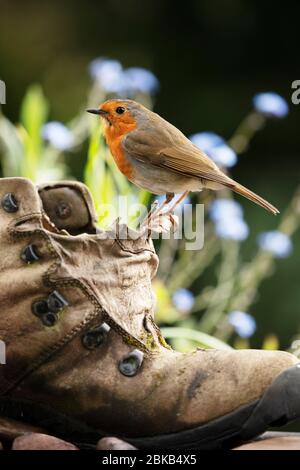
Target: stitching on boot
[(140, 250), (160, 337)]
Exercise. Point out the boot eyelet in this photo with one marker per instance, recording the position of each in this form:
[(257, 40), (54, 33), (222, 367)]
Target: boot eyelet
[(95, 337), (130, 364), (29, 254), (40, 307), (56, 302), (9, 203), (49, 318)]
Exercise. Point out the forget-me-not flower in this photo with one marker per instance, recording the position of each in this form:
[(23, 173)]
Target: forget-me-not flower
[(140, 79), (225, 208), (227, 214), (183, 300), (276, 242), (243, 323), (215, 147), (113, 78), (232, 229), (58, 135), (271, 104)]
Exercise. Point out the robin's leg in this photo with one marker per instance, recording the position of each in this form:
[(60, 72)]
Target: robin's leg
[(155, 209), (172, 208), (168, 214), (169, 197), (161, 221)]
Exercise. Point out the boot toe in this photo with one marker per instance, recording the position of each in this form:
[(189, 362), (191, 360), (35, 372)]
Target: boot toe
[(224, 381)]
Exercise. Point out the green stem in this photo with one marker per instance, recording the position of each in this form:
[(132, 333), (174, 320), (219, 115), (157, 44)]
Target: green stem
[(193, 335), (262, 265), (191, 264), (224, 289), (252, 123)]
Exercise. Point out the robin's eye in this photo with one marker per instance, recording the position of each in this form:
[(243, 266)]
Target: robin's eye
[(120, 110)]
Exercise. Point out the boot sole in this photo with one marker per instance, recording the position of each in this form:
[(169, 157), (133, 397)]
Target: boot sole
[(279, 405)]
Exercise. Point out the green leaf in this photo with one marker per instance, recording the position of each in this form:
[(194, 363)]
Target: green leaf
[(203, 339), (165, 311), (94, 172), (13, 150), (34, 110), (98, 177), (144, 197)]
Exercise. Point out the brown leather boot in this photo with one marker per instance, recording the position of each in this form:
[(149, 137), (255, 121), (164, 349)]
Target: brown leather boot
[(84, 356)]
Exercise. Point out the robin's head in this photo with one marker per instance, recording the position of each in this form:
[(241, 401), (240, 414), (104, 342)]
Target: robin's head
[(120, 114)]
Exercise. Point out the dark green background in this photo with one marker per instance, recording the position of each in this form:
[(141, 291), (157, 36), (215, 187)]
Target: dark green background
[(211, 57)]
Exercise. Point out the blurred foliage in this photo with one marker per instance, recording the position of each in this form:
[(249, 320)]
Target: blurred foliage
[(192, 312)]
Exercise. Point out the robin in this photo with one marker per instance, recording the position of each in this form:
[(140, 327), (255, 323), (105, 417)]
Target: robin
[(156, 156)]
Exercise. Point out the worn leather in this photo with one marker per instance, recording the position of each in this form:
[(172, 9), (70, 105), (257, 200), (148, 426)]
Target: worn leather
[(104, 278)]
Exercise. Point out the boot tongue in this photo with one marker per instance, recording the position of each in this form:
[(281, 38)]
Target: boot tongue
[(69, 206), (118, 267)]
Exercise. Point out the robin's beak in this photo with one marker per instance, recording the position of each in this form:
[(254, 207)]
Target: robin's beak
[(100, 112)]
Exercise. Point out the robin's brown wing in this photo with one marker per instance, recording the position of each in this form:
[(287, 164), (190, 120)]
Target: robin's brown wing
[(166, 147)]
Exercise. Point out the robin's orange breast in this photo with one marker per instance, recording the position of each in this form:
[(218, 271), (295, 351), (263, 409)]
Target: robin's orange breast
[(120, 158), (114, 140)]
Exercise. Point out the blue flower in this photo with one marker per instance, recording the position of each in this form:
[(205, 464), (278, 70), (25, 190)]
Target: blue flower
[(232, 229), (277, 243), (183, 300), (227, 215), (223, 155), (243, 323), (113, 78), (58, 135), (225, 209), (140, 79), (206, 140), (271, 104), (216, 148), (108, 73)]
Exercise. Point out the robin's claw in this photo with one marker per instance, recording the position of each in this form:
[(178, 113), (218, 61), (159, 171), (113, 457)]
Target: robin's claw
[(162, 222)]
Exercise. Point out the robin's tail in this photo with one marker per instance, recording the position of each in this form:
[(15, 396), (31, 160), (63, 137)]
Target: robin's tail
[(238, 188)]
